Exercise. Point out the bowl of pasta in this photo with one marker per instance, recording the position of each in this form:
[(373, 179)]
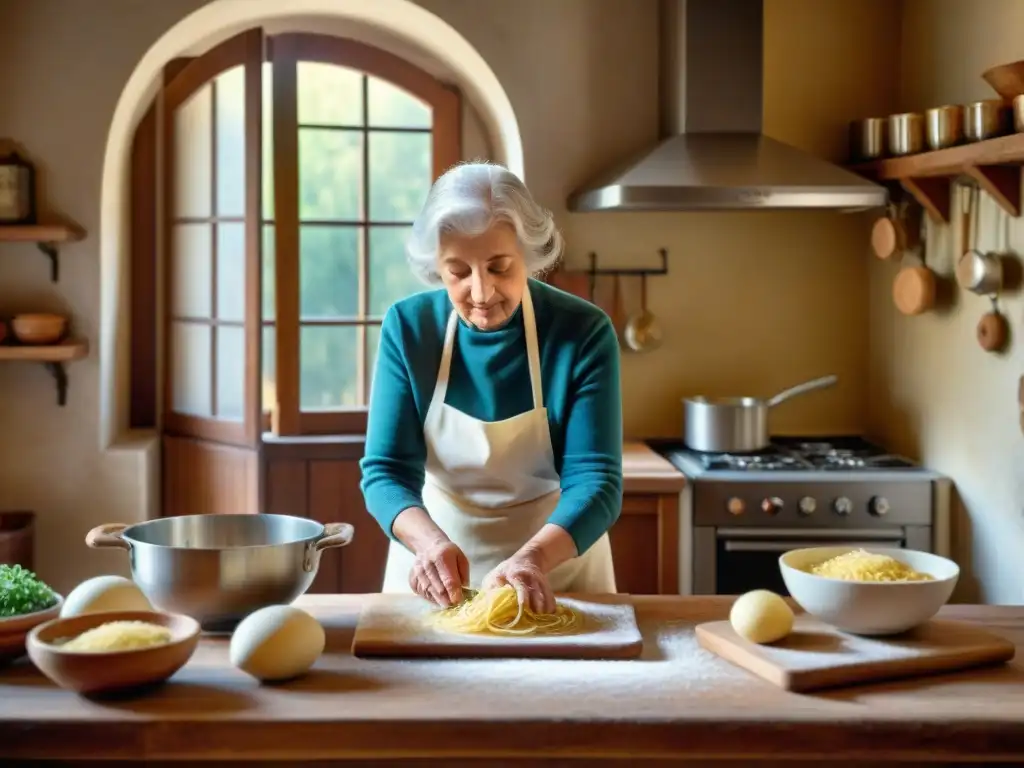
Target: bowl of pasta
[(869, 592)]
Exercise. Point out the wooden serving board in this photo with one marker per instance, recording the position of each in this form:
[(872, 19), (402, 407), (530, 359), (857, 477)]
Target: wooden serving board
[(817, 655), (398, 626)]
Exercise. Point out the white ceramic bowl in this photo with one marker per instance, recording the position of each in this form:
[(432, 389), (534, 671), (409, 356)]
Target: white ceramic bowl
[(868, 607)]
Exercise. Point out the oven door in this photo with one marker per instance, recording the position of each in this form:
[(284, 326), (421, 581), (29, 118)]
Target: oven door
[(748, 558)]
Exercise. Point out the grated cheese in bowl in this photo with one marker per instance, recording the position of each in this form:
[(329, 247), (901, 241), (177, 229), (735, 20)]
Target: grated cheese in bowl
[(118, 636), (861, 565)]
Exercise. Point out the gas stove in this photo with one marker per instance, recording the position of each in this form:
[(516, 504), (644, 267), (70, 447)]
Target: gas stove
[(739, 512)]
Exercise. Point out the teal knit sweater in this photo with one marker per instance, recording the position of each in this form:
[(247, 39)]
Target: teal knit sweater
[(490, 381)]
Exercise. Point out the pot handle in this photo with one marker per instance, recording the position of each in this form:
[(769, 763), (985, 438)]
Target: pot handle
[(106, 536), (799, 389), (335, 535)]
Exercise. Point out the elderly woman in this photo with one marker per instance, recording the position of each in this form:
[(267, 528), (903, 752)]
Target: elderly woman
[(494, 445)]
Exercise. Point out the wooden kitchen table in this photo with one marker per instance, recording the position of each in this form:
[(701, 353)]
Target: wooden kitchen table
[(678, 701)]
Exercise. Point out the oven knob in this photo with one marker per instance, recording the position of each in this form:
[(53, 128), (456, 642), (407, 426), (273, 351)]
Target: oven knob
[(772, 506), (807, 505), (879, 506), (842, 506), (735, 506)]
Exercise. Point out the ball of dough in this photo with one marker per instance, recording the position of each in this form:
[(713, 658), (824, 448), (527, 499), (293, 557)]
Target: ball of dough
[(104, 593), (278, 642), (761, 616)]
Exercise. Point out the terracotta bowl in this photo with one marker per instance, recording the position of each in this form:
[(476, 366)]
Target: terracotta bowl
[(14, 630), (39, 328), (1006, 79), (92, 672)]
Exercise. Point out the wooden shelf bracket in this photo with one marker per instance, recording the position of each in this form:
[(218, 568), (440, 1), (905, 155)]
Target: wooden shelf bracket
[(52, 252), (1001, 182), (60, 378), (46, 237), (933, 193)]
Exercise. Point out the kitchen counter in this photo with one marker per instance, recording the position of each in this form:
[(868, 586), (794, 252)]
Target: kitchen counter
[(644, 471), (677, 702)]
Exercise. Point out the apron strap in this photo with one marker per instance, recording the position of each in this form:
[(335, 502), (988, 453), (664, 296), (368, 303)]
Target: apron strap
[(532, 355), (443, 371), (532, 348)]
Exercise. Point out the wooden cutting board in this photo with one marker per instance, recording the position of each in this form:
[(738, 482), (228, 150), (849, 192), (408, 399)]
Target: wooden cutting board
[(397, 626), (817, 655)]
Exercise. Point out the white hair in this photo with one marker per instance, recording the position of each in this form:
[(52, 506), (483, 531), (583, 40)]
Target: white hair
[(467, 200)]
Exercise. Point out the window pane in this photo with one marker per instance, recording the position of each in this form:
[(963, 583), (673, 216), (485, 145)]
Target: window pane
[(230, 372), (327, 367), (191, 270), (400, 175), (269, 276), (193, 156), (267, 169), (269, 352), (328, 271), (190, 369), (231, 272), (390, 276), (330, 174), (329, 94), (391, 107), (230, 111)]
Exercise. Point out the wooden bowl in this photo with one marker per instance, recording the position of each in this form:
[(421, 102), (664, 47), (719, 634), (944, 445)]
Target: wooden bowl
[(39, 328), (1007, 79), (14, 630), (94, 672)]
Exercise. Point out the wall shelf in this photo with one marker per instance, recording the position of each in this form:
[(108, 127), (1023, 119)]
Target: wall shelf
[(47, 238), (995, 165), (53, 357)]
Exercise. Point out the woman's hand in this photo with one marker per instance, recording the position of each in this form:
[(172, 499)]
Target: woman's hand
[(439, 572), (523, 572), (440, 569)]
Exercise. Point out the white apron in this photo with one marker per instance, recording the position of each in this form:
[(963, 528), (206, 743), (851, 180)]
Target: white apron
[(491, 485)]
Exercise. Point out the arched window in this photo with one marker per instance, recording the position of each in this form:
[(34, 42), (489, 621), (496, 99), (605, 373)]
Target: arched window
[(274, 181)]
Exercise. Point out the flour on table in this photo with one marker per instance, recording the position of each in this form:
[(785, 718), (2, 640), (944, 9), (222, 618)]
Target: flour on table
[(672, 664)]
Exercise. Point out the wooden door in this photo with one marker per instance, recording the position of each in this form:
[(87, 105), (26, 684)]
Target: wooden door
[(211, 161)]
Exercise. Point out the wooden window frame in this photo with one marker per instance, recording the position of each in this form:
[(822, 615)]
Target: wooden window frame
[(286, 51), (286, 418)]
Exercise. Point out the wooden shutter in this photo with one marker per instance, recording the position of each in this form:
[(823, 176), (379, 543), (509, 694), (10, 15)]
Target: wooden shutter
[(211, 161)]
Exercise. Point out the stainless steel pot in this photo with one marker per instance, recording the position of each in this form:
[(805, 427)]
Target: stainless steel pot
[(736, 424), (906, 134), (868, 139), (944, 126), (220, 568), (987, 119)]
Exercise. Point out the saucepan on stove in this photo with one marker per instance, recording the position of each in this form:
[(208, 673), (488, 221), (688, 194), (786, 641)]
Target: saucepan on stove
[(736, 424)]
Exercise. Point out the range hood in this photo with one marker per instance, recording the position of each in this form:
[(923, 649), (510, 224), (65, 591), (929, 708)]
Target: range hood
[(715, 156)]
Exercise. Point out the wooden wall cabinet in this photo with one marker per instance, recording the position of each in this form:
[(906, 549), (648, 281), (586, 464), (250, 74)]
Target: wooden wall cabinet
[(321, 481)]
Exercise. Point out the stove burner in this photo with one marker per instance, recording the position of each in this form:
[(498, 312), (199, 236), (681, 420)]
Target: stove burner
[(841, 454), (755, 462)]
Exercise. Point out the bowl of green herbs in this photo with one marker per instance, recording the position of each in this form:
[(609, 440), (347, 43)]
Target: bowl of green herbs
[(25, 602)]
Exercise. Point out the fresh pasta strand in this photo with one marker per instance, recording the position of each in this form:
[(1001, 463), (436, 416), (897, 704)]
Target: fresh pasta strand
[(499, 612)]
